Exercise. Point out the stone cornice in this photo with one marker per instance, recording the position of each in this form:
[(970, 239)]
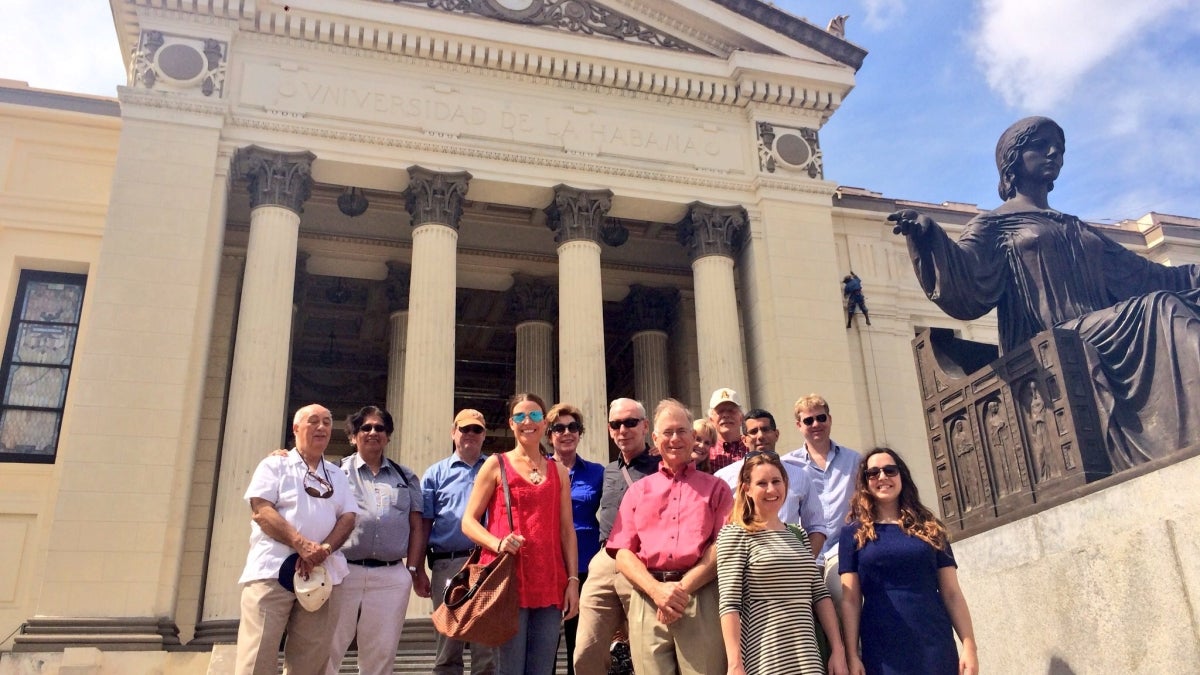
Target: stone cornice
[(150, 99), (358, 37)]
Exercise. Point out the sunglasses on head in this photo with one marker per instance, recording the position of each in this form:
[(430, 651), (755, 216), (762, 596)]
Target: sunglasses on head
[(889, 470), (628, 423), (368, 428), (573, 427), (471, 429), (808, 421), (533, 416)]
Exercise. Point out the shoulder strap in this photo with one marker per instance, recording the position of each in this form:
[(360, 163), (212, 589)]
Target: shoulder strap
[(507, 493), (628, 479)]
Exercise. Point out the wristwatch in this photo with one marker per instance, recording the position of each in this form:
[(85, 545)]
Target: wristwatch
[(412, 569), (327, 547)]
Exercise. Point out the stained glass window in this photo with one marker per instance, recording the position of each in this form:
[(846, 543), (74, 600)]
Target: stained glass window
[(37, 364)]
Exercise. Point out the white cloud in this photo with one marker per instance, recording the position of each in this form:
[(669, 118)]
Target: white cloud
[(882, 14), (1035, 52), (67, 46)]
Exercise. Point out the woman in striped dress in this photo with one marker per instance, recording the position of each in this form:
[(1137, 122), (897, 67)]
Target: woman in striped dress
[(769, 583)]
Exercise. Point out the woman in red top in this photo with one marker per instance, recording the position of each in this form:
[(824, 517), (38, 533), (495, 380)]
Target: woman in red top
[(543, 538)]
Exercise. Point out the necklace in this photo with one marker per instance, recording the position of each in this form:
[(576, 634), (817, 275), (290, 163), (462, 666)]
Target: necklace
[(535, 476)]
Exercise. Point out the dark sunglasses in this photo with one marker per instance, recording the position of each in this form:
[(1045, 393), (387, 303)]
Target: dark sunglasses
[(628, 423), (755, 453), (534, 416), (573, 427), (890, 470), (326, 490), (471, 429), (808, 421), (368, 428)]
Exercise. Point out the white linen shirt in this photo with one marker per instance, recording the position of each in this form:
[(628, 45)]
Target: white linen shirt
[(280, 480)]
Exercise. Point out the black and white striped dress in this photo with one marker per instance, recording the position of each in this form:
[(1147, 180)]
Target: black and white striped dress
[(769, 577)]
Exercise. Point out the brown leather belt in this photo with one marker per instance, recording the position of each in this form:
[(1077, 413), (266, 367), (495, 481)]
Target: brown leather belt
[(668, 575)]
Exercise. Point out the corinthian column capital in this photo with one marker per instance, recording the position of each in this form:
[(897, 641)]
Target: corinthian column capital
[(712, 230), (435, 197), (532, 299), (650, 308), (275, 178), (577, 214)]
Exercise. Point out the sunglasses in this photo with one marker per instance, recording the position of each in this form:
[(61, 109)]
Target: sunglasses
[(368, 428), (890, 470), (471, 429), (628, 423), (533, 416), (759, 430), (326, 487), (808, 421), (573, 427), (755, 453)]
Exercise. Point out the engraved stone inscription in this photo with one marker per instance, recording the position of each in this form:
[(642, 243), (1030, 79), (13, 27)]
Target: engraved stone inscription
[(442, 110)]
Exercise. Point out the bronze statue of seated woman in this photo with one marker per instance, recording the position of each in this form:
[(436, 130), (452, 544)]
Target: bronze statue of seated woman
[(1139, 321)]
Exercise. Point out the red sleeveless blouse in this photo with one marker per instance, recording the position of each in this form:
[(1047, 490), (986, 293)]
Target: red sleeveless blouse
[(537, 516)]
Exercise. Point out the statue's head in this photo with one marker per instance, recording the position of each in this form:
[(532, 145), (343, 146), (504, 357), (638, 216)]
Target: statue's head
[(1008, 150)]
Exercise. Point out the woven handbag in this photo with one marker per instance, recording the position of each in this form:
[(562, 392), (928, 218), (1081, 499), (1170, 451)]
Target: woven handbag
[(481, 603)]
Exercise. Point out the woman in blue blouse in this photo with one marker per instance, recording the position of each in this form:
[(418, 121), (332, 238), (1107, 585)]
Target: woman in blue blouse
[(564, 427)]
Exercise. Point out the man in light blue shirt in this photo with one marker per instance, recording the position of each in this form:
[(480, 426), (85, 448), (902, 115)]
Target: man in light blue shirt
[(445, 489), (832, 468)]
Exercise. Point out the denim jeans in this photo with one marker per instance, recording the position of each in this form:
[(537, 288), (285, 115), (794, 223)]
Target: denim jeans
[(534, 649)]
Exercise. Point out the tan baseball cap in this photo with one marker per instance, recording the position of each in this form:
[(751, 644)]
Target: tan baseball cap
[(469, 416)]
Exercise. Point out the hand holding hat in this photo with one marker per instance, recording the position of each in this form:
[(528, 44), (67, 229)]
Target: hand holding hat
[(310, 583)]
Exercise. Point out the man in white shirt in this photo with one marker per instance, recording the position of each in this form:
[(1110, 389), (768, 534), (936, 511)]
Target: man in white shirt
[(300, 504)]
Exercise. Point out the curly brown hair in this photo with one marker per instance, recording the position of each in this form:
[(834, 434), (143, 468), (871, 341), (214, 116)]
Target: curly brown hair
[(915, 519)]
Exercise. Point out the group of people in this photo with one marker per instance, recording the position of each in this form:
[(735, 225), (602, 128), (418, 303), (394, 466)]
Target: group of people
[(708, 549)]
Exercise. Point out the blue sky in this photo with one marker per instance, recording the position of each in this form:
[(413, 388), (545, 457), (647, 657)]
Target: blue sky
[(941, 82)]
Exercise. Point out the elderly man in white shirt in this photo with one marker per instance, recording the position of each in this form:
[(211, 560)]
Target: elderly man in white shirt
[(300, 504)]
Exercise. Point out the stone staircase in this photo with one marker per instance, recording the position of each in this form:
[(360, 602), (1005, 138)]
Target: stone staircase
[(415, 653)]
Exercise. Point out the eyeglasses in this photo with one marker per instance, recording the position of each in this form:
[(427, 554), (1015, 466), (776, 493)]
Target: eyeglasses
[(573, 427), (534, 416), (759, 430), (808, 421), (755, 453), (890, 470), (326, 487), (471, 429), (368, 428), (628, 423)]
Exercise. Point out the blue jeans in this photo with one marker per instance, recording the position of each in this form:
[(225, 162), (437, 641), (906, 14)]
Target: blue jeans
[(534, 649)]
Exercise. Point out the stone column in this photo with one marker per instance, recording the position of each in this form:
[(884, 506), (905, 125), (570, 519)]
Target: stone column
[(713, 235), (256, 418), (434, 200), (576, 217), (533, 302), (397, 295), (651, 312)]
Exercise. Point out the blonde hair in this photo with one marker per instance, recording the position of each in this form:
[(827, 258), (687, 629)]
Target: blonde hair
[(705, 429), (809, 402)]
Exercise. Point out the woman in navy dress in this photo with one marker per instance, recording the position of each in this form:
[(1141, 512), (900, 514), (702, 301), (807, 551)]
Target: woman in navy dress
[(900, 590)]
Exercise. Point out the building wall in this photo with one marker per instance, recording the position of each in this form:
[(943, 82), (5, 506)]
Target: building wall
[(56, 168)]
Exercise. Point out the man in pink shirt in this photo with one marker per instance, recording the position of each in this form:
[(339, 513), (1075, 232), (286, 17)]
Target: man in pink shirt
[(664, 540)]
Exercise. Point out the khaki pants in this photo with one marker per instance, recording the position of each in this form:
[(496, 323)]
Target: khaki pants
[(268, 610), (692, 645), (603, 605), (371, 602)]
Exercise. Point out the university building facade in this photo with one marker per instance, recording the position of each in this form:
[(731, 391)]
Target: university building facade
[(429, 205)]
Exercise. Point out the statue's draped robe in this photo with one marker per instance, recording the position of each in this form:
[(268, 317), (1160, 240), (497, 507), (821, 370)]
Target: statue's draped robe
[(1139, 321)]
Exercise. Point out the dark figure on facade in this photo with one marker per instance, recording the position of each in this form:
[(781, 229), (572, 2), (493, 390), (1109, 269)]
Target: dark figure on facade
[(1139, 321), (1045, 454), (852, 289)]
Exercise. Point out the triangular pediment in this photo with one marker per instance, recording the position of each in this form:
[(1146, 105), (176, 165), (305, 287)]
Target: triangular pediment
[(708, 27)]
